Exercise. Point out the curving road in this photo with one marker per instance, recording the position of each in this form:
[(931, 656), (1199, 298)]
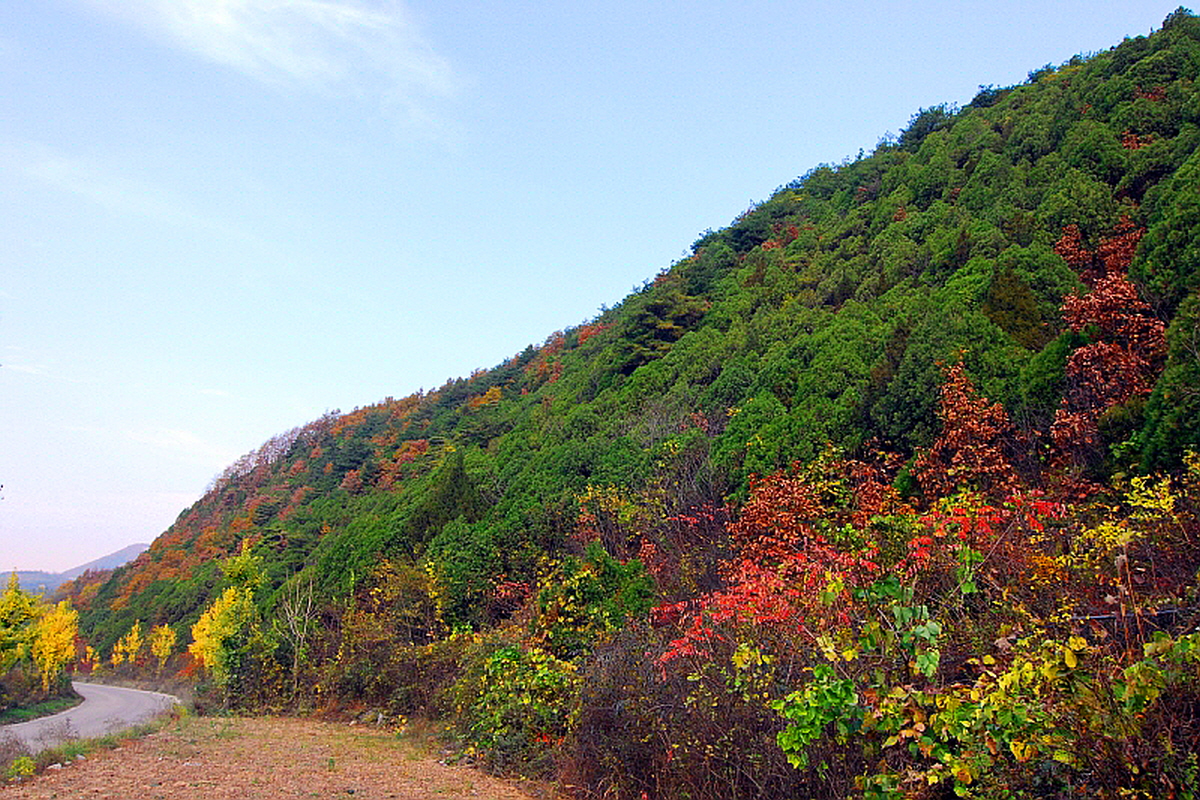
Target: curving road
[(104, 710)]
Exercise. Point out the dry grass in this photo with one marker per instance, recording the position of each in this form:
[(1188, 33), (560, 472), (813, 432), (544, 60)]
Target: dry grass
[(272, 757)]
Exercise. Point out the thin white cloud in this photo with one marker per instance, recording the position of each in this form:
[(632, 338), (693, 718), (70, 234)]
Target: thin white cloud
[(173, 440), (346, 45), (18, 359), (102, 186), (28, 369), (168, 438)]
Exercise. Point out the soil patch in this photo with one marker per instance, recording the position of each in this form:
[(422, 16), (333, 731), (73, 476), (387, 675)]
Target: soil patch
[(242, 758)]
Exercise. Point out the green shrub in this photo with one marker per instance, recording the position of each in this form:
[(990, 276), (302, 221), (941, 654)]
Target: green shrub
[(21, 767), (514, 705)]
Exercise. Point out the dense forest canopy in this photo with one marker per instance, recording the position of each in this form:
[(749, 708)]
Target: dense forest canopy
[(819, 421)]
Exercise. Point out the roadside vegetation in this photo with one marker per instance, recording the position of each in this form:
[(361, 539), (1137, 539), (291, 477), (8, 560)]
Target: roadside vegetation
[(43, 709), (266, 758), (19, 763), (37, 645)]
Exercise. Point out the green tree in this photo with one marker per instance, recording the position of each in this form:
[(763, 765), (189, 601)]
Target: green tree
[(19, 610), (227, 627), (925, 122)]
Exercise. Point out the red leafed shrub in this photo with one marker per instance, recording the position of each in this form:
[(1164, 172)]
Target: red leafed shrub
[(970, 451), (1133, 141), (1155, 95), (871, 485), (1117, 251), (1070, 247), (1119, 316), (1121, 362), (588, 331), (786, 575), (1000, 534)]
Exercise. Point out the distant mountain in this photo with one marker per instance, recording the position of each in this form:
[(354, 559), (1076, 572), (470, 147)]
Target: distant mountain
[(48, 582), (37, 581)]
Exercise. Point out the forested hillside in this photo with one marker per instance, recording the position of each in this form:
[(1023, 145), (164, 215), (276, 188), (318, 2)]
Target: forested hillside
[(887, 489)]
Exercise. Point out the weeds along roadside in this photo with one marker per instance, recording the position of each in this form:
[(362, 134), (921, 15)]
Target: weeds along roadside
[(18, 763), (48, 708)]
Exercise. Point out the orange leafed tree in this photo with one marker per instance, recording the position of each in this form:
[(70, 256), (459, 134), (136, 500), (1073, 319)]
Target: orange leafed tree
[(1121, 361), (970, 451), (1112, 257), (489, 398)]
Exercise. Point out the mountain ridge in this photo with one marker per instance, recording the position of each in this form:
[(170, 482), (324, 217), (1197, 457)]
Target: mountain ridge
[(40, 581)]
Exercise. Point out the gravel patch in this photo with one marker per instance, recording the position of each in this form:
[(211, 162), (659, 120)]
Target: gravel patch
[(243, 758)]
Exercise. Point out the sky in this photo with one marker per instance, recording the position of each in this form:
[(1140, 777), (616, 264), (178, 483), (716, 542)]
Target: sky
[(223, 218)]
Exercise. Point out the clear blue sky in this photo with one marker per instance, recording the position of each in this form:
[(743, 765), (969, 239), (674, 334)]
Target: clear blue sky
[(222, 218)]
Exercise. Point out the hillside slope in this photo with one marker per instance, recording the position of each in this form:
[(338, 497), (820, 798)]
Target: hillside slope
[(819, 316), (1037, 248)]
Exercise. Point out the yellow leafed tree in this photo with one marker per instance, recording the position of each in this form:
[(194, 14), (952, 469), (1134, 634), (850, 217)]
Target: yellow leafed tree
[(216, 626), (162, 642), (129, 646), (91, 659), (54, 641)]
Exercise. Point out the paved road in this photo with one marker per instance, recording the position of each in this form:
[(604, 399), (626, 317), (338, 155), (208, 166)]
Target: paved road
[(104, 710)]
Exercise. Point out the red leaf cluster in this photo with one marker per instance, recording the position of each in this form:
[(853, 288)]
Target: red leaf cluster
[(588, 331), (1112, 257), (1132, 141), (970, 451), (786, 576), (1117, 251), (1122, 361), (1070, 247)]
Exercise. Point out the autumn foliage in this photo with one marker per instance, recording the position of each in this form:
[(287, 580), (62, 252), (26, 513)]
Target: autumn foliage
[(851, 501), (970, 451), (37, 646), (1120, 362)]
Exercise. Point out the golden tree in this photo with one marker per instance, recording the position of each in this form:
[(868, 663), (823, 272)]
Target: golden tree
[(54, 641), (19, 610), (162, 642), (129, 646), (216, 626)]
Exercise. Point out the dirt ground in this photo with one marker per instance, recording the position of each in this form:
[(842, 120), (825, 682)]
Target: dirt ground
[(246, 758)]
